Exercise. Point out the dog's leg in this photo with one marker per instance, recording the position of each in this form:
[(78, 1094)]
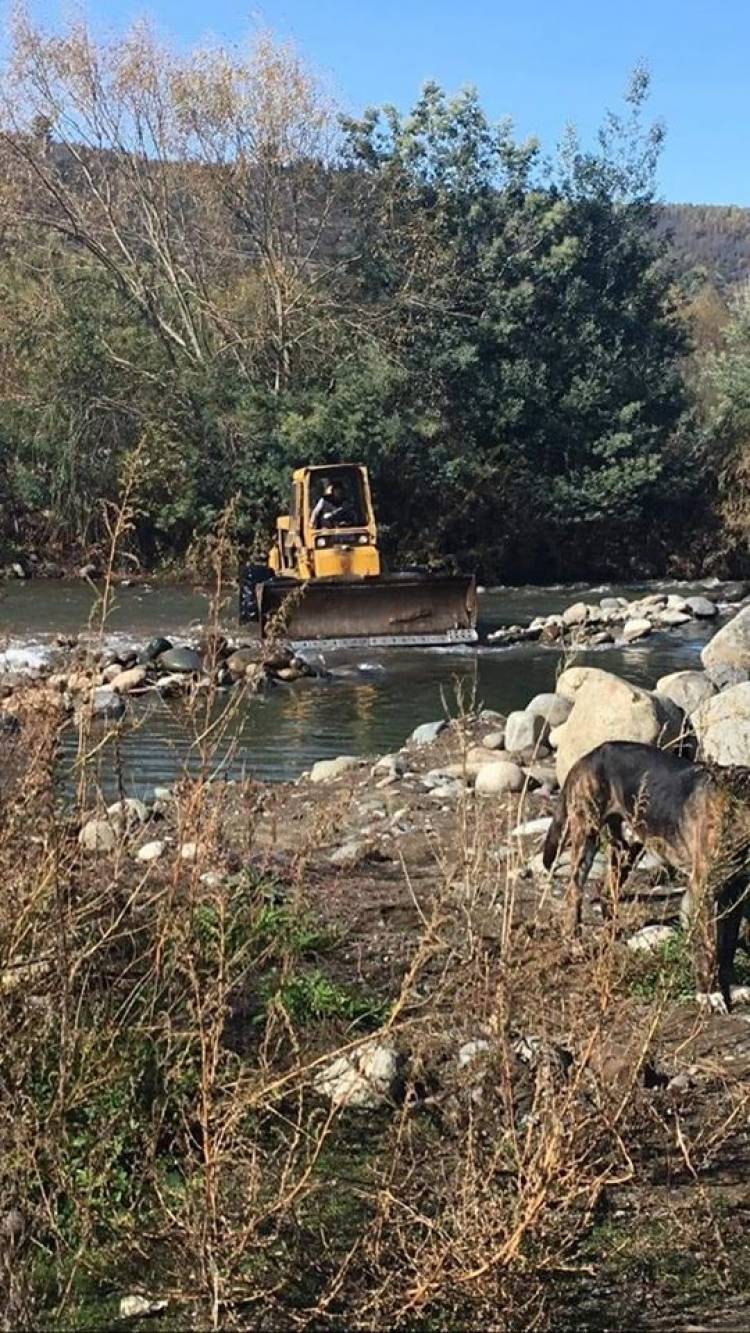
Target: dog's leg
[(730, 909), (583, 851), (622, 857)]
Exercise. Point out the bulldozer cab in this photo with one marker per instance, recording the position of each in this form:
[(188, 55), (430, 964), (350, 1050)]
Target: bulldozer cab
[(338, 499), (330, 530)]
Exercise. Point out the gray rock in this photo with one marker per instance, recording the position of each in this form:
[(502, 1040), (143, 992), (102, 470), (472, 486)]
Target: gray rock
[(98, 835), (723, 677), (128, 812), (702, 608), (676, 603), (352, 853), (241, 659), (153, 649), (494, 740), (561, 868), (363, 1079), (106, 704), (523, 730), (730, 646), (326, 770), (427, 732), (554, 708), (671, 619), (687, 689), (722, 725), (185, 660), (494, 779), (733, 592)]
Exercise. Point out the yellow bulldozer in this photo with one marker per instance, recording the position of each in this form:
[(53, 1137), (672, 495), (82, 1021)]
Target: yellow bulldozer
[(325, 581)]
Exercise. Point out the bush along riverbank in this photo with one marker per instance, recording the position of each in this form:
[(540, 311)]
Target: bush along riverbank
[(317, 1054)]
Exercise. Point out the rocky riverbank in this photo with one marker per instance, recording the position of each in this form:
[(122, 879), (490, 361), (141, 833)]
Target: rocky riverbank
[(617, 620), (339, 1015)]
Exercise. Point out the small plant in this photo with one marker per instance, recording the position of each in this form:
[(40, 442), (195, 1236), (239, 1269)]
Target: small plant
[(665, 973), (308, 997)]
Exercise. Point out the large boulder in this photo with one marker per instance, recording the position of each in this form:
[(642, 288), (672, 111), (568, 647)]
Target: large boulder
[(722, 725), (730, 646), (687, 689), (571, 681), (607, 708)]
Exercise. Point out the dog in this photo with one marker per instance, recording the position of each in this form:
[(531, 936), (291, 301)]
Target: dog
[(695, 816)]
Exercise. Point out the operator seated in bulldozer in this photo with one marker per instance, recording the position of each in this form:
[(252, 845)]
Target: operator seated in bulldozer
[(334, 509)]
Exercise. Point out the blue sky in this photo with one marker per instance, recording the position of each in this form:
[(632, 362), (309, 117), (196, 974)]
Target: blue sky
[(544, 62)]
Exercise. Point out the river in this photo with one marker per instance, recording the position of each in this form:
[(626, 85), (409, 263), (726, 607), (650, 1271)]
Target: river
[(375, 698)]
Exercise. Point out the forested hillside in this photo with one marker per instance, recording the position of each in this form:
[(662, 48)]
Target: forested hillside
[(708, 238)]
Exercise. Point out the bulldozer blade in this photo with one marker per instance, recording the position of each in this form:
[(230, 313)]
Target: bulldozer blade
[(396, 610)]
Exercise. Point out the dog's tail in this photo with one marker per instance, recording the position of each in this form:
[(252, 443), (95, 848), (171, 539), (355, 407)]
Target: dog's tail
[(557, 834)]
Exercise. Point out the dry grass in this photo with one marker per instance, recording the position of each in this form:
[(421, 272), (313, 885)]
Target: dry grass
[(161, 1030)]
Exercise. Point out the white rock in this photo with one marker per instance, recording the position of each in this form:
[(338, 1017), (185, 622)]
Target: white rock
[(676, 603), (189, 851), (730, 646), (722, 725), (554, 708), (150, 851), (532, 827), (494, 779), (577, 614), (135, 1307), (471, 1051), (364, 1079), (427, 732), (326, 770), (106, 704), (651, 938), (638, 628), (671, 619)]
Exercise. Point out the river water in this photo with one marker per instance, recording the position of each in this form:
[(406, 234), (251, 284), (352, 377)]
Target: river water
[(372, 704)]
